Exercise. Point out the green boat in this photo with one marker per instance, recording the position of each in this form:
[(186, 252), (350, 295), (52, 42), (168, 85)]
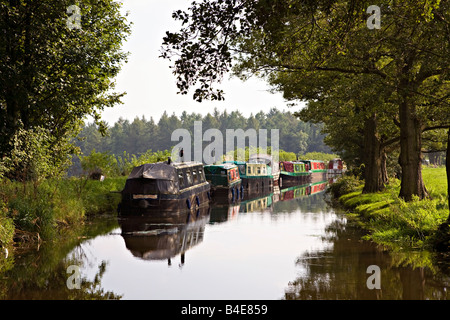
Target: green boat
[(224, 179)]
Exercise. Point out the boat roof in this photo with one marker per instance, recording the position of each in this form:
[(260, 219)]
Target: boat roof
[(160, 170), (226, 165)]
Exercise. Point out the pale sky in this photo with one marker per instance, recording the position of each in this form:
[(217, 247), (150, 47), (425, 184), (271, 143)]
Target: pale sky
[(151, 86)]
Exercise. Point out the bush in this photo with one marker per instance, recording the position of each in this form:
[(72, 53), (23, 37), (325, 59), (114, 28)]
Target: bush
[(318, 156), (345, 185)]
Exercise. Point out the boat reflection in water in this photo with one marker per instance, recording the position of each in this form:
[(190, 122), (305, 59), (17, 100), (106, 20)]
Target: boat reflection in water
[(303, 190), (162, 236)]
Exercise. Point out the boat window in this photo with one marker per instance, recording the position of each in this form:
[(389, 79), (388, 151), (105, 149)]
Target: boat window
[(181, 179), (201, 176), (188, 177), (194, 176), (259, 170), (237, 173), (241, 168)]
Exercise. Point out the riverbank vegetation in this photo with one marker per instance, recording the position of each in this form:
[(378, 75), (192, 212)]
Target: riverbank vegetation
[(31, 214), (389, 219)]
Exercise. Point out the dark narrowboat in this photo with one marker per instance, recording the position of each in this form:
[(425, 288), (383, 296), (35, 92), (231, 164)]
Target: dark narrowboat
[(166, 186), (294, 173), (225, 180)]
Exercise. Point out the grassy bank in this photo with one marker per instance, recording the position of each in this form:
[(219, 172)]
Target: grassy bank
[(31, 212), (392, 222)]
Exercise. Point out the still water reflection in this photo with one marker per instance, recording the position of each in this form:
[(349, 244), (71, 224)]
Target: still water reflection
[(288, 244)]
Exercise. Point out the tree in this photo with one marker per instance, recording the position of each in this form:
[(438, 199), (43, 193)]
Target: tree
[(408, 57), (52, 76)]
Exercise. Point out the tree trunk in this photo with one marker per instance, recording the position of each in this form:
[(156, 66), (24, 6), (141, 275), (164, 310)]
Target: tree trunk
[(410, 158), (447, 167), (375, 174)]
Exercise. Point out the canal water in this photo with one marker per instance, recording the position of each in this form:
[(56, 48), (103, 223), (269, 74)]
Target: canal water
[(287, 244)]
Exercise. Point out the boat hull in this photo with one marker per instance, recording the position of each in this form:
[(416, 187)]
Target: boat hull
[(186, 200), (289, 179), (228, 194), (257, 185)]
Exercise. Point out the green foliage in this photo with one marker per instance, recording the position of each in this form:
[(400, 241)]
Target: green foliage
[(287, 156), (6, 227), (98, 163), (318, 156), (398, 224), (35, 155), (53, 77), (344, 186), (43, 212)]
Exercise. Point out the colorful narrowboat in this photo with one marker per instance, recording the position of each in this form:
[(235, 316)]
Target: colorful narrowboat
[(268, 160), (256, 177), (336, 166), (225, 180), (315, 165), (294, 173), (166, 186), (317, 168)]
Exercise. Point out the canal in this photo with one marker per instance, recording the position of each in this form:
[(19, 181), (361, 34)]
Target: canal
[(290, 244)]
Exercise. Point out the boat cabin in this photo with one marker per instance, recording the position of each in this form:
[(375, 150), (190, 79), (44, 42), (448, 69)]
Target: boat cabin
[(269, 161), (164, 185), (223, 175)]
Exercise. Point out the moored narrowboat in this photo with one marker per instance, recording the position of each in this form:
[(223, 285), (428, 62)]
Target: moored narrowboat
[(294, 173), (336, 166), (256, 177), (317, 168), (268, 160), (315, 165), (165, 186), (225, 180)]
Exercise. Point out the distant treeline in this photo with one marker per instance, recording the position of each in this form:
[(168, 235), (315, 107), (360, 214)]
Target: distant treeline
[(141, 135)]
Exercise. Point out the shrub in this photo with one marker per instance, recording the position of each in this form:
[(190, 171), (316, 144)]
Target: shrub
[(345, 185)]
